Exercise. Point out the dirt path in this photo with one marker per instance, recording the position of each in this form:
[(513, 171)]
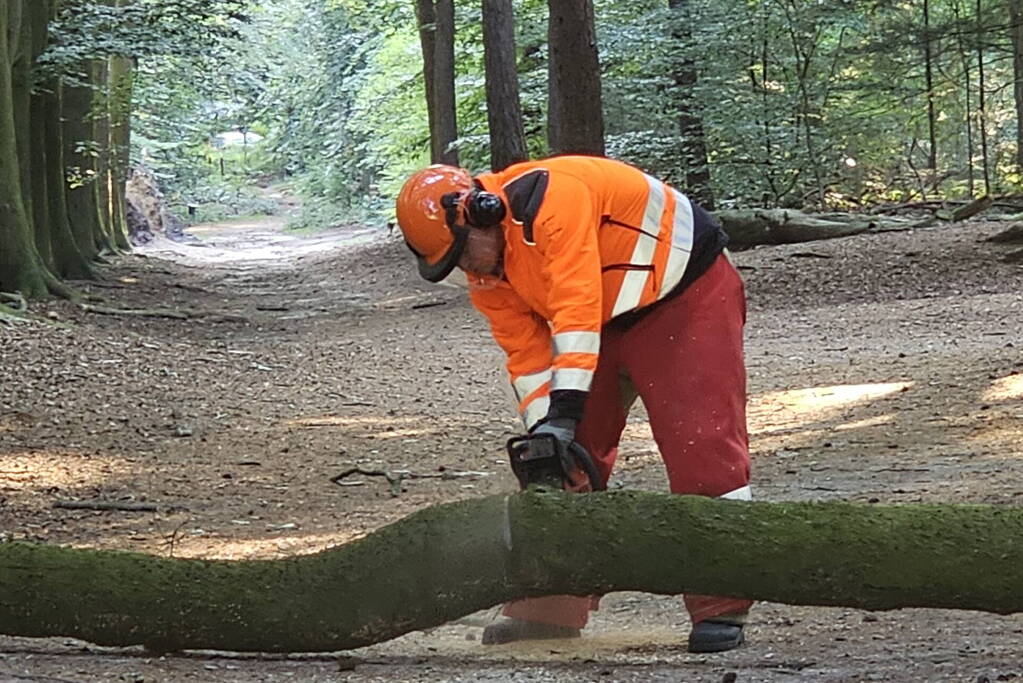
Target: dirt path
[(882, 368)]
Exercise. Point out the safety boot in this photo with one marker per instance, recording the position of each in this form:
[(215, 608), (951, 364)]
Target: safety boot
[(716, 635), (510, 630)]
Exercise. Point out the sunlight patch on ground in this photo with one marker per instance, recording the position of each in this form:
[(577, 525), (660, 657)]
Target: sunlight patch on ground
[(40, 470), (1005, 389), (999, 434), (814, 399), (353, 421), (784, 410)]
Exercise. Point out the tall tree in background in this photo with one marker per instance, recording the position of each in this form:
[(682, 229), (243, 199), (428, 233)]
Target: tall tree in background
[(982, 99), (575, 117), (1016, 34), (932, 133), (21, 268), (693, 139), (437, 38), (504, 112)]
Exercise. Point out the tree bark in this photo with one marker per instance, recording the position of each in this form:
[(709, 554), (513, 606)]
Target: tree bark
[(575, 117), (932, 135), (693, 139), (448, 561), (1016, 31), (427, 20), (79, 133), (121, 75), (504, 112), (21, 269), (71, 262), (437, 39), (982, 101), (781, 226), (20, 50), (101, 127), (444, 83)]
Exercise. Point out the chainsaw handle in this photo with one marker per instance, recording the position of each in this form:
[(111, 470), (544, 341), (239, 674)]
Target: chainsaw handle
[(541, 458)]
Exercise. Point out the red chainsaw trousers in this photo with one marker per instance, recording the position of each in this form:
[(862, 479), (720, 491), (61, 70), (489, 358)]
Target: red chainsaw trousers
[(685, 361)]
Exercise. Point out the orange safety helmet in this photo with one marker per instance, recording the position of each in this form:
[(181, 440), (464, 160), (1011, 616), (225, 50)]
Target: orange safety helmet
[(428, 210)]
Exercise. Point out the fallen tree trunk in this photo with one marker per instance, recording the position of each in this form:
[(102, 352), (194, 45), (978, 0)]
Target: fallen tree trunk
[(448, 561), (752, 227), (781, 226)]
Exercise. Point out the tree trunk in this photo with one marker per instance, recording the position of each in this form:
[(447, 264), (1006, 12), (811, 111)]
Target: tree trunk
[(575, 117), (690, 123), (21, 269), (427, 20), (780, 226), (1016, 29), (71, 262), (981, 102), (20, 51), (79, 133), (932, 137), (101, 123), (965, 58), (444, 83), (38, 17), (448, 561), (504, 112), (121, 74)]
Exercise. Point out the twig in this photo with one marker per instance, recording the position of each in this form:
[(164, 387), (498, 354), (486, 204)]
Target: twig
[(395, 478), (145, 312), (213, 316), (11, 676), (104, 505), (172, 539)]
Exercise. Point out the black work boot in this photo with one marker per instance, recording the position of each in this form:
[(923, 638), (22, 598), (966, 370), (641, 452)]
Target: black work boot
[(715, 635), (510, 630)]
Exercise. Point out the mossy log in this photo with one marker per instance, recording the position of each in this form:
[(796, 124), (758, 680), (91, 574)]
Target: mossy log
[(747, 228), (448, 561)]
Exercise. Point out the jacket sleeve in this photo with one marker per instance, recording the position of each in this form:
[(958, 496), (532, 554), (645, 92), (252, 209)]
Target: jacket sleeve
[(526, 339), (566, 235)]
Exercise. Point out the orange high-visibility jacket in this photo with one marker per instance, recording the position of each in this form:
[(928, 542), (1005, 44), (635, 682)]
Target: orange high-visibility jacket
[(587, 240)]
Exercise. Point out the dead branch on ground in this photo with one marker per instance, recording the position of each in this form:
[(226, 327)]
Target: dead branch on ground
[(397, 477), (105, 506)]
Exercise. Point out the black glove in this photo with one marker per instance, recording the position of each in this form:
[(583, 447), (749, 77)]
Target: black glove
[(561, 428)]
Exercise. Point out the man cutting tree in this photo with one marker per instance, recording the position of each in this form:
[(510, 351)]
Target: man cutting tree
[(601, 284)]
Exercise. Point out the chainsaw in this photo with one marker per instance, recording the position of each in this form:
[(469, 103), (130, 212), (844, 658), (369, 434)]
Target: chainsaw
[(543, 460)]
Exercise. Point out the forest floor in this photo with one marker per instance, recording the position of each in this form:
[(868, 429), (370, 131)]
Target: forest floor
[(883, 368)]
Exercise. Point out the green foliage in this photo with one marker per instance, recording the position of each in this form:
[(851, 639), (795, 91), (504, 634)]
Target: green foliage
[(801, 103), (87, 29)]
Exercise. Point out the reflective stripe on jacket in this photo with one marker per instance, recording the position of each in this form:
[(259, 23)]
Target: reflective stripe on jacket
[(587, 240)]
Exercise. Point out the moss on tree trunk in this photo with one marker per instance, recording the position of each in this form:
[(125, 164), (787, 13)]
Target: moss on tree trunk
[(448, 561), (21, 268)]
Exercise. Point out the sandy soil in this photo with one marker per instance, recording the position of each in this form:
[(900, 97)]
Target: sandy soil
[(882, 368)]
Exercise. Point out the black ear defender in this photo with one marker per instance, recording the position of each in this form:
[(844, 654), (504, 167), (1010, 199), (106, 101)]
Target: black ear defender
[(485, 209), (482, 209)]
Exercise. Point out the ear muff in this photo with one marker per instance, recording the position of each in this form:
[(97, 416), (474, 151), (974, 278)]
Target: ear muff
[(484, 209)]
